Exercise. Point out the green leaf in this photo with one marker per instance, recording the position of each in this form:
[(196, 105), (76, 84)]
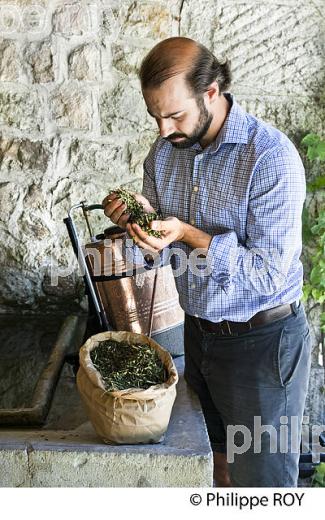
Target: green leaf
[(310, 139), (315, 147), (317, 227), (320, 148), (316, 184), (318, 479), (318, 482), (312, 153), (306, 291), (316, 275), (321, 468), (307, 235), (315, 293)]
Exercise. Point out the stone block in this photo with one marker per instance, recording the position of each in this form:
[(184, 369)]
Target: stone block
[(90, 187), (19, 288), (10, 63), (143, 19), (114, 162), (26, 17), (111, 22), (14, 467), (90, 157), (127, 56), (139, 149), (66, 287), (24, 3), (23, 155), (9, 195), (71, 107), (84, 63), (21, 108), (117, 109), (39, 58), (63, 469), (26, 233), (76, 18)]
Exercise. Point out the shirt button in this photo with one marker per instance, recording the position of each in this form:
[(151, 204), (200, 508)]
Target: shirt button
[(196, 188), (192, 222), (193, 285)]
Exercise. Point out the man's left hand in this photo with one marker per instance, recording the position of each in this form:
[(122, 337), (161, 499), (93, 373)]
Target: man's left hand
[(171, 231)]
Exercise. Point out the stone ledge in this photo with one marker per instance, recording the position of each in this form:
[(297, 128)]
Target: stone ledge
[(66, 452)]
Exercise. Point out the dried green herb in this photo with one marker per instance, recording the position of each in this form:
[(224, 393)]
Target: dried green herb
[(124, 366), (137, 213)]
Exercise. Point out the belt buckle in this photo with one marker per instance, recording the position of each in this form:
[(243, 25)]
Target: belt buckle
[(229, 329), (232, 333)]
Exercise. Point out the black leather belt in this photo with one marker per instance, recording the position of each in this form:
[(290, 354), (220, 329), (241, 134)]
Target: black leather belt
[(232, 328)]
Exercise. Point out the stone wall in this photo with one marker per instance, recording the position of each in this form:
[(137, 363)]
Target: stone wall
[(74, 124)]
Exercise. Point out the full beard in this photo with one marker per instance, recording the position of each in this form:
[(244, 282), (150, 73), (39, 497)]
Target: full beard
[(199, 131)]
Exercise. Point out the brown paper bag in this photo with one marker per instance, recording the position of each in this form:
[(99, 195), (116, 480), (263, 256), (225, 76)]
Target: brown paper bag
[(131, 416)]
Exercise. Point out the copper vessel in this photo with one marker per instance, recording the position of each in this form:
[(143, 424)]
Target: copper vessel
[(126, 296)]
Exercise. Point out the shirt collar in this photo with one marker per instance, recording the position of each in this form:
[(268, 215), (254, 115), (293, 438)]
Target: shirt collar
[(233, 130)]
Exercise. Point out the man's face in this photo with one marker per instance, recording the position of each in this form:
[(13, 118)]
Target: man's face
[(182, 119)]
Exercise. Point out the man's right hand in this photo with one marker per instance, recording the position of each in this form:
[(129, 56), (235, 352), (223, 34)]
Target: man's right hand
[(114, 208)]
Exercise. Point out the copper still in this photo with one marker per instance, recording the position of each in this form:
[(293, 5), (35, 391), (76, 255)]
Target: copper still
[(132, 298), (127, 299)]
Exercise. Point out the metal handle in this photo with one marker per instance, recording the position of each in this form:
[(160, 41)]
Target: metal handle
[(72, 231), (152, 303), (94, 206)]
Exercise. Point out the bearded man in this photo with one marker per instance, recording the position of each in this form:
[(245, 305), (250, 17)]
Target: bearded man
[(233, 187)]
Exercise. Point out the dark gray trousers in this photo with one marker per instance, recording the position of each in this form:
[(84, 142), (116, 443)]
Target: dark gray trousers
[(252, 388)]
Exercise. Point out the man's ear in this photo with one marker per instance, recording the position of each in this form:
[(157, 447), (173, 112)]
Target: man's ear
[(213, 92)]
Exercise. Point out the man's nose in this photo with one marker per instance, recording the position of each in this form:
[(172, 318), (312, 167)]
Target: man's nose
[(166, 127)]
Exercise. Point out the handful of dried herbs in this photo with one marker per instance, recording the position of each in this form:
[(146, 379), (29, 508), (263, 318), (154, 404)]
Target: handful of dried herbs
[(137, 213), (123, 366)]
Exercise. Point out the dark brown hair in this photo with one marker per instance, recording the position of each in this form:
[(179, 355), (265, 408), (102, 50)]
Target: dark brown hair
[(176, 55)]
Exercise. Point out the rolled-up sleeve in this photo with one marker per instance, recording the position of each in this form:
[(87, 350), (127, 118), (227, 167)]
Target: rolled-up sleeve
[(273, 228)]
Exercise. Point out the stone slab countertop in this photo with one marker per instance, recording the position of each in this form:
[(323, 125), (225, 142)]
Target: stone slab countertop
[(53, 452)]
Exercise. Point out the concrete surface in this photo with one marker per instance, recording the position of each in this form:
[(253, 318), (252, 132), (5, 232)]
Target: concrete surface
[(66, 452)]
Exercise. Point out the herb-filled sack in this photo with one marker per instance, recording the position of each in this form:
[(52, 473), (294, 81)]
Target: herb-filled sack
[(135, 415)]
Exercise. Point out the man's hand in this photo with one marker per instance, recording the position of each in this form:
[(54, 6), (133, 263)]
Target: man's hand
[(114, 208), (171, 230)]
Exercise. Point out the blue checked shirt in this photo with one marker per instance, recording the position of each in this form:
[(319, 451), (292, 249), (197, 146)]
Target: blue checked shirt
[(246, 190)]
